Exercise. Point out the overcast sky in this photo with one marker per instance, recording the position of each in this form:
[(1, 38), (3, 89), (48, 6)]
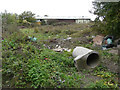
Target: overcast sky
[(49, 7)]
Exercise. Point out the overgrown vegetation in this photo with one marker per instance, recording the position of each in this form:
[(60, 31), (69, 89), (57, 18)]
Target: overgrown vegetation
[(27, 18), (108, 79), (108, 15), (9, 23), (27, 66), (32, 64)]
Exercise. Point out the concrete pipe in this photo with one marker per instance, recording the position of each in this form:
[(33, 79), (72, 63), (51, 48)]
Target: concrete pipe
[(85, 58)]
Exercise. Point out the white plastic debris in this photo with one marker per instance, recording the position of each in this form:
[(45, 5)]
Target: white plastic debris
[(59, 49), (69, 38), (93, 36)]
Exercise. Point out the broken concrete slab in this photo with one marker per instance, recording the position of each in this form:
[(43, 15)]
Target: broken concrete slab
[(98, 40)]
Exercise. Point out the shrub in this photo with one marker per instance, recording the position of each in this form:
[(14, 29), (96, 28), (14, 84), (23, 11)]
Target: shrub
[(27, 18), (9, 23)]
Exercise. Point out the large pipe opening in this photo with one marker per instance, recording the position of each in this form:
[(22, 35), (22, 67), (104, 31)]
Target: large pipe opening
[(85, 58), (92, 60)]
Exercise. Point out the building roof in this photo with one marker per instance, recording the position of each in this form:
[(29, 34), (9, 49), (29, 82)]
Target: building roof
[(63, 17)]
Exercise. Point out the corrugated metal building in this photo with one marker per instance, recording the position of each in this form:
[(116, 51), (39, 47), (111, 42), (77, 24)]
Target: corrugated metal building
[(64, 19)]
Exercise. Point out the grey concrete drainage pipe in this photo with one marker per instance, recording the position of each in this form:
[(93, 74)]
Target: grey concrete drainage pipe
[(85, 58)]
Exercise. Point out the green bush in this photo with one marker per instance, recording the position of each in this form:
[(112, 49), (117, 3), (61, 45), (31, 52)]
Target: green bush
[(9, 23), (27, 19)]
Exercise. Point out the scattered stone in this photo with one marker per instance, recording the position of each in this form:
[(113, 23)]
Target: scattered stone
[(98, 40)]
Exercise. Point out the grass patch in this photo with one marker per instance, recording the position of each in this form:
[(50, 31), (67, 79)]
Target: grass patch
[(29, 64)]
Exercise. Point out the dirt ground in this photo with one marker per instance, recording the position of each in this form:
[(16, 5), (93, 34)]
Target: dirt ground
[(65, 43)]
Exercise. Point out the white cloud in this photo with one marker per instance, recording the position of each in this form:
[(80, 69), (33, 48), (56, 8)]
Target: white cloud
[(49, 7)]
